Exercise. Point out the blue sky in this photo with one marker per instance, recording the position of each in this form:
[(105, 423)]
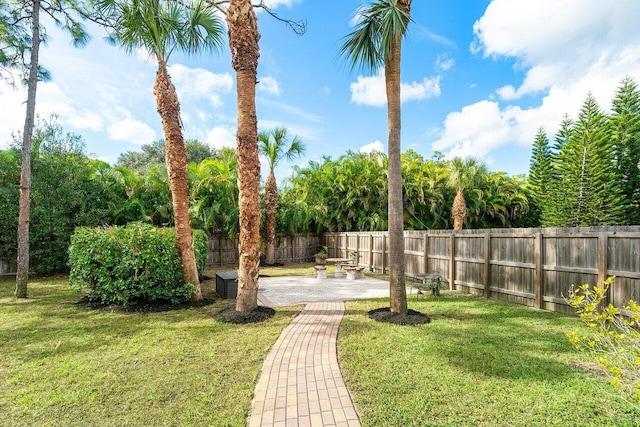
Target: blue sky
[(479, 78)]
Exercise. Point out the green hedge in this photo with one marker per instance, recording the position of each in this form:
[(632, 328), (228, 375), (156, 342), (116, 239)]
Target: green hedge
[(137, 261)]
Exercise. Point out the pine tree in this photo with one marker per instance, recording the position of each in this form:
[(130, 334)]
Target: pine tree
[(540, 174), (556, 208), (585, 166), (625, 136)]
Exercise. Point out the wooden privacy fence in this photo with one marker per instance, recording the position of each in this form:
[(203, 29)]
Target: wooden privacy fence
[(533, 266), (7, 267), (224, 251)]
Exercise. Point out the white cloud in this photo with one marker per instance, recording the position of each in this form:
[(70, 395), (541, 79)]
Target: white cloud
[(586, 46), (86, 120), (146, 56), (444, 62), (221, 136), (275, 3), (370, 148), (424, 32), (415, 91), (50, 100), (371, 91), (578, 36), (269, 85), (198, 83), (132, 131), (11, 118)]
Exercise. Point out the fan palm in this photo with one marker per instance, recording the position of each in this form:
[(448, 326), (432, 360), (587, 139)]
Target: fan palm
[(243, 42), (162, 27), (275, 146), (376, 42)]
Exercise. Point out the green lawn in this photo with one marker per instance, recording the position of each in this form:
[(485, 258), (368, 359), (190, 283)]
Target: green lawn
[(479, 363), (65, 365)]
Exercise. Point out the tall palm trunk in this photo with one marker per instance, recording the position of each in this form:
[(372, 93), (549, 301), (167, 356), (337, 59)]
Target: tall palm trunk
[(271, 208), (243, 41), (459, 210), (176, 160), (22, 275), (397, 290)]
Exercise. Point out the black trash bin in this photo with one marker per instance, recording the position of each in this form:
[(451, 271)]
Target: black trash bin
[(227, 284)]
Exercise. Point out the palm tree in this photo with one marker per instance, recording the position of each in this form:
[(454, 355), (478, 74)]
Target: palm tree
[(274, 145), (214, 193), (162, 27), (375, 42), (463, 175), (243, 41)]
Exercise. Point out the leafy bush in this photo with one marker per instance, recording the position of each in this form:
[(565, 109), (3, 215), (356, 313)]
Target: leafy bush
[(615, 339), (138, 261)]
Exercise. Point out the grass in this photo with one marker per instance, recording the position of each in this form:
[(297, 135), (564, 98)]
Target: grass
[(62, 364), (478, 363)]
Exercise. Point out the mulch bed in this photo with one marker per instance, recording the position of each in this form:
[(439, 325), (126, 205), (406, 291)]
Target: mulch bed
[(260, 314), (141, 306), (412, 317)]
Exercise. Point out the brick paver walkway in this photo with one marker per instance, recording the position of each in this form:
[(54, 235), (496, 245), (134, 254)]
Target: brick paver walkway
[(301, 384)]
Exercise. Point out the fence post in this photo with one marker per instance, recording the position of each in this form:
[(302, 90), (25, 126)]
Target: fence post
[(384, 252), (358, 249), (603, 243), (487, 262), (539, 272), (425, 260), (371, 253), (335, 244), (452, 261)]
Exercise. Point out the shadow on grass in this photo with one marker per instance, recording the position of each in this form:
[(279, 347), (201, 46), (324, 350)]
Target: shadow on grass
[(485, 338)]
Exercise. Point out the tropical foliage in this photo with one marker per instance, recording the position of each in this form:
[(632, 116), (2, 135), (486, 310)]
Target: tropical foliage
[(349, 194), (275, 146)]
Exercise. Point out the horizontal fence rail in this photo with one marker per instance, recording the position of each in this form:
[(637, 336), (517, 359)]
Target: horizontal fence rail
[(224, 251), (532, 266), (298, 248)]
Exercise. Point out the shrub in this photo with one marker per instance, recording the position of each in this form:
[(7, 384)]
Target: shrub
[(138, 261), (614, 341)]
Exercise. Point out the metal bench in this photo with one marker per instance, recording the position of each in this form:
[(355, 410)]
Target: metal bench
[(431, 281)]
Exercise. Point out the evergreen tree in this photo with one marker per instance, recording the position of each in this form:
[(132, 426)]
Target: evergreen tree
[(625, 136), (585, 174), (564, 134), (540, 174)]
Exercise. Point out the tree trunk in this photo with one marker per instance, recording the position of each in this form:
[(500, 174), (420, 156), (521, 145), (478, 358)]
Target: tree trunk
[(176, 160), (397, 290), (459, 210), (271, 208), (22, 275), (243, 41)]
